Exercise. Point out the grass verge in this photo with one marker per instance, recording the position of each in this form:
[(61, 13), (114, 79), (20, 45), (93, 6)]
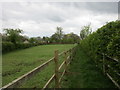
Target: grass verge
[(83, 73)]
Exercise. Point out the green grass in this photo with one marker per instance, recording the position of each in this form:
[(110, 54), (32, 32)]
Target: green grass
[(40, 79), (17, 63), (84, 73)]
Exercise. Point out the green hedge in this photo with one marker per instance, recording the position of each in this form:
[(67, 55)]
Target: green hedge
[(9, 46), (23, 45), (106, 40)]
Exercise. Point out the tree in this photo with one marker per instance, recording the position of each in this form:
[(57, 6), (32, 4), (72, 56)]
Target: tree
[(86, 30), (4, 37), (58, 35), (46, 39), (59, 32), (33, 40), (13, 34), (71, 38), (54, 38)]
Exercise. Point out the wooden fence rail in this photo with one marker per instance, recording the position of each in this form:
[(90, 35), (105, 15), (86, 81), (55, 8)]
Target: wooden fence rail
[(59, 78), (107, 66), (23, 78)]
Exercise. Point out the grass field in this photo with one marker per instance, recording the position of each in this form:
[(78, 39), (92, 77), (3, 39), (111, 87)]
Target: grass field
[(17, 63), (40, 79), (84, 74)]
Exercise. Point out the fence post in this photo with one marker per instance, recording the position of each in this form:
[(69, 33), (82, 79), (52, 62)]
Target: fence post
[(56, 70), (71, 54), (65, 62), (104, 64)]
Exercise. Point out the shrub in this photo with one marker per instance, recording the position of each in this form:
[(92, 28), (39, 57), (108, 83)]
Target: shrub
[(105, 40), (7, 46)]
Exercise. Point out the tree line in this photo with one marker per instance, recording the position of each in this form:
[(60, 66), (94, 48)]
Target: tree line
[(13, 39), (15, 36)]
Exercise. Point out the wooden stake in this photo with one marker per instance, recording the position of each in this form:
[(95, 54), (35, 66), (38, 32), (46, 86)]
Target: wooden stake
[(56, 70), (65, 62)]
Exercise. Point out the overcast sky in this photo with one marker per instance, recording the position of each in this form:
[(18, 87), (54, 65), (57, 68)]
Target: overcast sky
[(42, 18)]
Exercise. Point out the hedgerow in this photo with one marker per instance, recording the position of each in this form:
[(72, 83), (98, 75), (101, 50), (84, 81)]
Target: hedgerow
[(9, 46), (106, 40)]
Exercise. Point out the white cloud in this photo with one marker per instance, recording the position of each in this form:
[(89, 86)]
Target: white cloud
[(41, 19), (59, 0)]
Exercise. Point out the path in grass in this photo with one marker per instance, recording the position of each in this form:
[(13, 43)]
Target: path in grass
[(84, 73), (17, 63)]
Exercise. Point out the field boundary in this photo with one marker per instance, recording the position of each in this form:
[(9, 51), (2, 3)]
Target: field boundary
[(26, 76), (59, 78), (107, 67), (17, 82)]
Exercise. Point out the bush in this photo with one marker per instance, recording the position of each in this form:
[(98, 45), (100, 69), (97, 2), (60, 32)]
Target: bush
[(23, 45), (7, 46), (106, 40)]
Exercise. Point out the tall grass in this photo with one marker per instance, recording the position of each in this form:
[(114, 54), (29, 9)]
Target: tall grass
[(17, 63), (83, 73)]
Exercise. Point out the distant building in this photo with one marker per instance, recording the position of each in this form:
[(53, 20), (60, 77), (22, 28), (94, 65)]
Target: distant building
[(26, 41)]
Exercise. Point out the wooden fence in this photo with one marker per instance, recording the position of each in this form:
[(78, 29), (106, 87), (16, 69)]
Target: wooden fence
[(107, 68), (55, 76)]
